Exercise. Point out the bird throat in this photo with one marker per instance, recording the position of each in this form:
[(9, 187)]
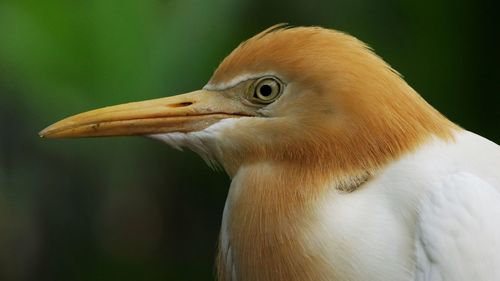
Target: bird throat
[(268, 211)]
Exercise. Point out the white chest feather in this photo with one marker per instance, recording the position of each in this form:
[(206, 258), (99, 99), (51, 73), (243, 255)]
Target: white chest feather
[(385, 230)]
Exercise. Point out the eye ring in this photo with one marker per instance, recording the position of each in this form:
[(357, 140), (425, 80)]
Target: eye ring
[(267, 89)]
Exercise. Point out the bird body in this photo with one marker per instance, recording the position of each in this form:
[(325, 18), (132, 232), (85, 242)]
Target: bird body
[(340, 170), (389, 229)]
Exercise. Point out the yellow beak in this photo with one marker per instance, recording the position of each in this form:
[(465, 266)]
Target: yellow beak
[(183, 113)]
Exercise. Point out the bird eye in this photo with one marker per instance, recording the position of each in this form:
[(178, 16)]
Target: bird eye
[(267, 90)]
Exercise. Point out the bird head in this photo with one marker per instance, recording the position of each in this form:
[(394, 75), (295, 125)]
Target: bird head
[(304, 96)]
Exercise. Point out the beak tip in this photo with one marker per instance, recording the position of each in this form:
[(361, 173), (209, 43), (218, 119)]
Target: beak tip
[(42, 133), (45, 133)]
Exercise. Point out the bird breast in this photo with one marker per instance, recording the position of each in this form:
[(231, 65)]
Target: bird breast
[(279, 226)]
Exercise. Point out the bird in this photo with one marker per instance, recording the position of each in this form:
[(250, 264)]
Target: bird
[(339, 169)]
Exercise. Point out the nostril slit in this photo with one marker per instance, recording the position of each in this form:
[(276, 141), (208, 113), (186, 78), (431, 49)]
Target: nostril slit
[(181, 104)]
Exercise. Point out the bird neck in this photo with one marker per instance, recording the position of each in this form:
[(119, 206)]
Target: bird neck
[(269, 205)]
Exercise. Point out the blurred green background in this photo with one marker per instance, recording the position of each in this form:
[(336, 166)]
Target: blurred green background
[(131, 208)]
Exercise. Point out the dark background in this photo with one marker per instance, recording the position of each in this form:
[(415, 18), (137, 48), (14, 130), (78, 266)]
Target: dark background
[(133, 209)]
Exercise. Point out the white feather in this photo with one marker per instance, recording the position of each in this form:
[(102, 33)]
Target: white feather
[(235, 81), (206, 143), (433, 215), (459, 231)]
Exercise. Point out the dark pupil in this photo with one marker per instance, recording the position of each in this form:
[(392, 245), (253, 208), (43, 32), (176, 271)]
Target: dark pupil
[(266, 90)]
